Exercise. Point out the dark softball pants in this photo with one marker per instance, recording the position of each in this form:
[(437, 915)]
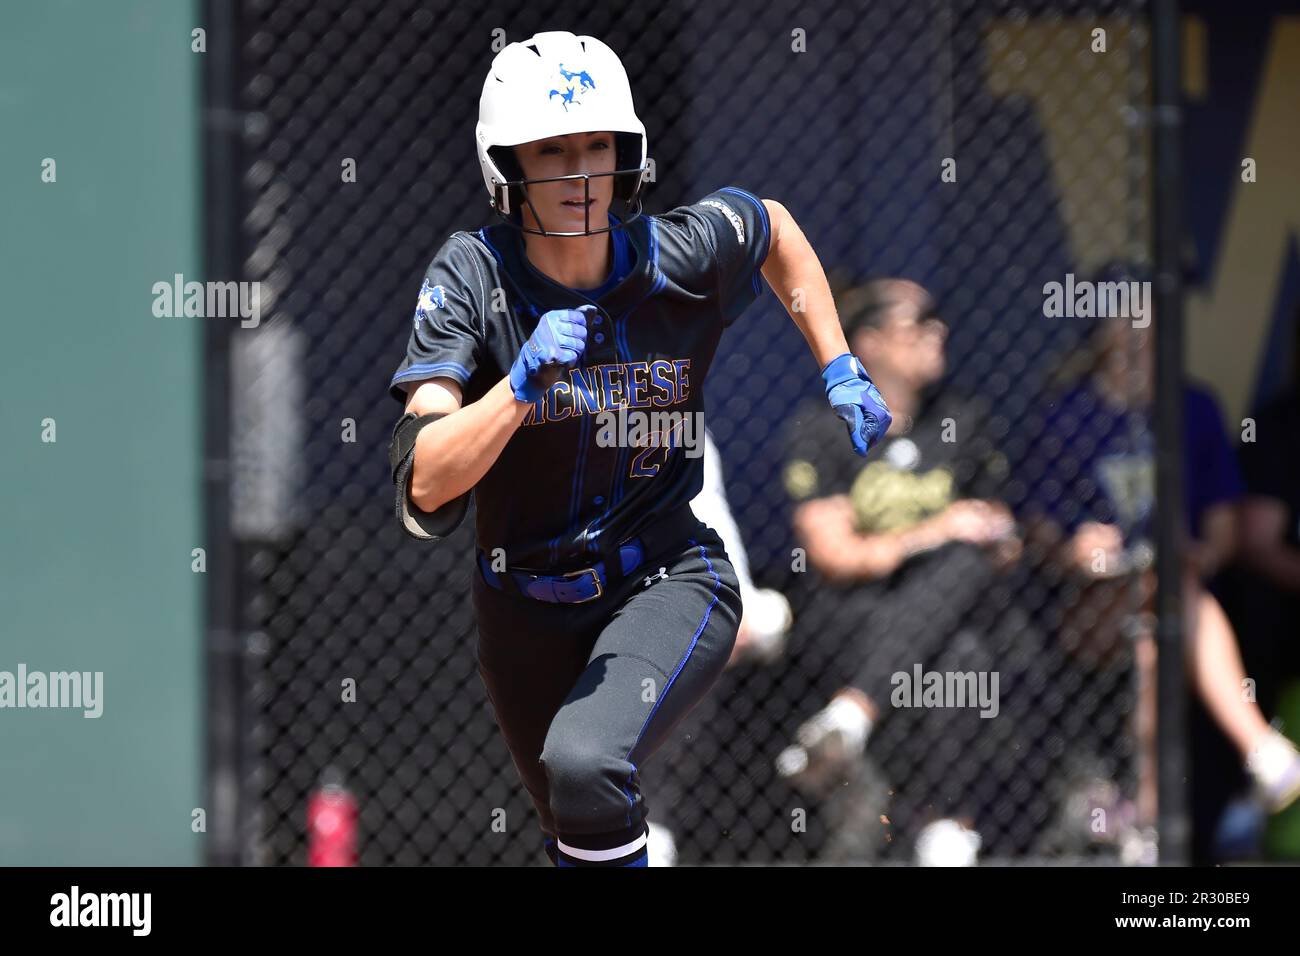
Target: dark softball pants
[(585, 693)]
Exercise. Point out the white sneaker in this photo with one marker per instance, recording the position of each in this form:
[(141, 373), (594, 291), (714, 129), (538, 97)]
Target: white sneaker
[(1274, 765), (827, 744), (1139, 846), (661, 848), (947, 843)]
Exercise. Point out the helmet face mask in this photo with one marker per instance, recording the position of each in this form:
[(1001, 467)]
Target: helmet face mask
[(554, 85), (633, 207), (509, 197)]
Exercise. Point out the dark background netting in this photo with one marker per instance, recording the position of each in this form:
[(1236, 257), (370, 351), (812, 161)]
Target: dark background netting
[(849, 136)]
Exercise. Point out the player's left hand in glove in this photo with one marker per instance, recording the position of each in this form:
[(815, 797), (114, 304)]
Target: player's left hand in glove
[(857, 401)]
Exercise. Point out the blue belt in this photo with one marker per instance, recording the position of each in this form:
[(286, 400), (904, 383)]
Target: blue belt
[(574, 587)]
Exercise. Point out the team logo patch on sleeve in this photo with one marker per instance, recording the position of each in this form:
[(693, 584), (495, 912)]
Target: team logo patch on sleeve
[(431, 297), (733, 217)]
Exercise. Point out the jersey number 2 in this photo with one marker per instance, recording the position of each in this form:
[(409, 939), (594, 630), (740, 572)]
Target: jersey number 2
[(656, 443)]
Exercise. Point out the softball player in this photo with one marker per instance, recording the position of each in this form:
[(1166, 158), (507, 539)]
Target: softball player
[(605, 608)]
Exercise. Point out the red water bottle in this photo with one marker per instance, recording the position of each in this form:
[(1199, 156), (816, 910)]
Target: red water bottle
[(332, 824)]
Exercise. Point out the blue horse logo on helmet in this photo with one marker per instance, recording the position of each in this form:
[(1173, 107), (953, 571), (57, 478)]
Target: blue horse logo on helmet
[(572, 95)]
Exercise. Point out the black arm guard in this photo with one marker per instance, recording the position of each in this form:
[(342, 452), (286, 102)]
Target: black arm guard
[(424, 525)]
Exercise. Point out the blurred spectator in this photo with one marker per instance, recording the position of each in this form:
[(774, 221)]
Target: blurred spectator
[(1271, 530), (1090, 516), (1268, 591), (903, 550)]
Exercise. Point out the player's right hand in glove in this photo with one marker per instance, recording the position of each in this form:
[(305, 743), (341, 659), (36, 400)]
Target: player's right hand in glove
[(556, 344), (857, 401)]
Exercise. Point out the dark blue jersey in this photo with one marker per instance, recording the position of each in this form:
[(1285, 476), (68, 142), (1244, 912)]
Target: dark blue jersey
[(556, 496)]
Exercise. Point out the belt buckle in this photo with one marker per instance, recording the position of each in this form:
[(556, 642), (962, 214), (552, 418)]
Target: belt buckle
[(576, 575)]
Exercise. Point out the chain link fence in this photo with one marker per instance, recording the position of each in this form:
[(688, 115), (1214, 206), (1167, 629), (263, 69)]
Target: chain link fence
[(982, 150)]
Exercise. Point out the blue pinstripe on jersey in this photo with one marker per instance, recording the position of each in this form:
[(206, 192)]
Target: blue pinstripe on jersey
[(620, 472)]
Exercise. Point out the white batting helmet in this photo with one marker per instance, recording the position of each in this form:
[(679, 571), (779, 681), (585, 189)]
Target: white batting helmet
[(554, 84)]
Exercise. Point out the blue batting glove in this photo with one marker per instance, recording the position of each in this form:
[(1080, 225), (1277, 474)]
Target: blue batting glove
[(556, 344), (857, 401)]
